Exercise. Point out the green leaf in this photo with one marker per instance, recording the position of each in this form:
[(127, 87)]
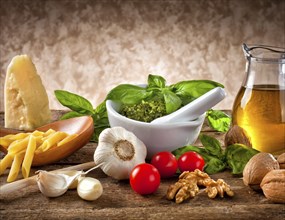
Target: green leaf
[(212, 145), (74, 102), (100, 119), (218, 120), (172, 101), (237, 156), (192, 89), (214, 165), (156, 81), (128, 94), (70, 115)]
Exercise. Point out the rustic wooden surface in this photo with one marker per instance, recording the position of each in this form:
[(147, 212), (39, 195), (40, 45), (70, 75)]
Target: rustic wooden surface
[(120, 202)]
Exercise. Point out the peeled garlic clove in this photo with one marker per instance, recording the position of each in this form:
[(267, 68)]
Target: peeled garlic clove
[(89, 188), (52, 184)]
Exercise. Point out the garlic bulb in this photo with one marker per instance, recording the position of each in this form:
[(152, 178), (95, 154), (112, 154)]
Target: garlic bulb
[(52, 184), (118, 152), (89, 188)]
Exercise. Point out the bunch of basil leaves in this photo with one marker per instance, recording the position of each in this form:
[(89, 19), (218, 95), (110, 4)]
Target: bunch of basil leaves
[(234, 157), (174, 96)]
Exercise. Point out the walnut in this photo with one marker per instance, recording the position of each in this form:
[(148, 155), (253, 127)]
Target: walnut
[(237, 135), (182, 190), (273, 186), (187, 186), (257, 167), (281, 161), (219, 187)]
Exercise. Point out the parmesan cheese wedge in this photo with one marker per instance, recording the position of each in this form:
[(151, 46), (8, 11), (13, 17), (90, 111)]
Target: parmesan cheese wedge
[(25, 98)]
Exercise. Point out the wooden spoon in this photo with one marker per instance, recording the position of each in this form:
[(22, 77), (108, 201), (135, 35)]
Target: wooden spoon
[(83, 126)]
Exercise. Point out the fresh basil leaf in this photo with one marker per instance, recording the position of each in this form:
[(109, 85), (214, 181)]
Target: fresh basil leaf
[(192, 89), (70, 115), (178, 152), (237, 156), (156, 81), (101, 108), (100, 119), (214, 165), (212, 145), (74, 102), (128, 94), (218, 120), (172, 101)]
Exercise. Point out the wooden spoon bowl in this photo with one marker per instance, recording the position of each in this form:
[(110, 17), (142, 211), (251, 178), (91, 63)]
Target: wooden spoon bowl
[(83, 126)]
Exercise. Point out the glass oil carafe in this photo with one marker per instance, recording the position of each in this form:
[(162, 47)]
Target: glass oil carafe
[(259, 107)]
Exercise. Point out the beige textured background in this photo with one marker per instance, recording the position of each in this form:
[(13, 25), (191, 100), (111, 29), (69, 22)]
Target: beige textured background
[(88, 47)]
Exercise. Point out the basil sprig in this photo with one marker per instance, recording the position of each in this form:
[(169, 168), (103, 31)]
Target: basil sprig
[(173, 96), (235, 157), (80, 107)]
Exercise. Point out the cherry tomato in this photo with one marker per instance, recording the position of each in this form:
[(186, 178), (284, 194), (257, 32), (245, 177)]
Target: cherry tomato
[(166, 164), (145, 179), (190, 161)]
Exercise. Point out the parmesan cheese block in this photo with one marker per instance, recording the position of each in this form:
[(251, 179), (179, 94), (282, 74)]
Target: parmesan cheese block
[(26, 101)]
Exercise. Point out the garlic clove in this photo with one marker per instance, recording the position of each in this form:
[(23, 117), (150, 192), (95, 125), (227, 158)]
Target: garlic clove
[(89, 188), (118, 152), (54, 184), (71, 173)]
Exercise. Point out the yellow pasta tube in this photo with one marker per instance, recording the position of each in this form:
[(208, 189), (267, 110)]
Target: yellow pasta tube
[(19, 136), (5, 163), (41, 148), (37, 133), (28, 159), (5, 141), (67, 139), (49, 132), (54, 139), (14, 171), (18, 145)]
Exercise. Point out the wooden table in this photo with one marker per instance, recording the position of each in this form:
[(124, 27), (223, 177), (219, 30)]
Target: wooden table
[(120, 202)]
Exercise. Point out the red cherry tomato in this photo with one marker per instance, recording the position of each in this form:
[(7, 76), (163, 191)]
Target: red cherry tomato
[(145, 179), (190, 161), (166, 164)]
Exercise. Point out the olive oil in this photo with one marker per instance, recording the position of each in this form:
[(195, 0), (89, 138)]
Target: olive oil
[(260, 111)]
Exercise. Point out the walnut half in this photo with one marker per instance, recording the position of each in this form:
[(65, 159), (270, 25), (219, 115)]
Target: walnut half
[(187, 186)]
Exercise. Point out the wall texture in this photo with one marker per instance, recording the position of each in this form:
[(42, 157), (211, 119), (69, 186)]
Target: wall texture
[(88, 47)]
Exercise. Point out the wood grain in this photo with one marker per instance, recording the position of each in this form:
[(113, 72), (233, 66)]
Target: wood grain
[(120, 202)]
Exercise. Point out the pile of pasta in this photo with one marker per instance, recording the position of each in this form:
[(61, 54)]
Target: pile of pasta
[(22, 147)]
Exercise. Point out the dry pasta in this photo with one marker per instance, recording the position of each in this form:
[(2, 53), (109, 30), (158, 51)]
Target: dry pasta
[(13, 174), (67, 139), (5, 163), (18, 145), (28, 159), (22, 147)]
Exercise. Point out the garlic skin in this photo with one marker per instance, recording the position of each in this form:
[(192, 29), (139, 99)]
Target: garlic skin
[(54, 185), (71, 173), (118, 152), (89, 188)]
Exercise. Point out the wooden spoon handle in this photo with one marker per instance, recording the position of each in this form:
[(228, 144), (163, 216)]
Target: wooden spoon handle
[(17, 185), (21, 184), (6, 131)]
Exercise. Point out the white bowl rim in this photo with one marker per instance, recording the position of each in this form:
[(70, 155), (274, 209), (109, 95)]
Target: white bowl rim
[(196, 122)]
